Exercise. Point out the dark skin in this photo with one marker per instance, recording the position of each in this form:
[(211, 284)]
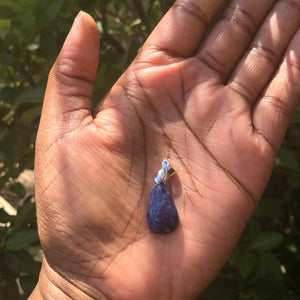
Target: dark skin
[(216, 107)]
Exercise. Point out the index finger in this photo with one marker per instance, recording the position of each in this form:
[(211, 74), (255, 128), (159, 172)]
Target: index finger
[(181, 29)]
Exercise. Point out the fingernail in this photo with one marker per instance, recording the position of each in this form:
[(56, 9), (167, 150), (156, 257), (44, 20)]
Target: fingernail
[(78, 16)]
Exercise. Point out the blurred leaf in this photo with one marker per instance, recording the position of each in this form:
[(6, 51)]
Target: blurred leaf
[(33, 95), (221, 288), (296, 116), (21, 239), (18, 189), (271, 284), (287, 159), (135, 22), (9, 4), (21, 262), (30, 115), (53, 9), (25, 213), (33, 46), (48, 43), (28, 19), (28, 4), (244, 260), (292, 247), (268, 207), (266, 240), (8, 94), (252, 228), (4, 27), (28, 283)]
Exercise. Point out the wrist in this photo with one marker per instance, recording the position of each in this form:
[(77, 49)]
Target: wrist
[(52, 285)]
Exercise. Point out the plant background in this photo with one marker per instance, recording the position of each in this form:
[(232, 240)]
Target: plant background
[(266, 262)]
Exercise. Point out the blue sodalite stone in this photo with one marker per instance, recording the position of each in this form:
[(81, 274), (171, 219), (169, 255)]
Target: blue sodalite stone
[(162, 216)]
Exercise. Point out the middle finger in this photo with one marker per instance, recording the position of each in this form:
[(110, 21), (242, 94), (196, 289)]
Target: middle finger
[(232, 34)]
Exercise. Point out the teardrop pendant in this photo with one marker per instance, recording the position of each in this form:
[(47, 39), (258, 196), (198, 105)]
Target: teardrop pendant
[(162, 216)]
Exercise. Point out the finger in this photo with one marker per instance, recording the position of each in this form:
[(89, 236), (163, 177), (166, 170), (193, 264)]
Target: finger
[(181, 29), (70, 83), (257, 66), (232, 34), (272, 113)]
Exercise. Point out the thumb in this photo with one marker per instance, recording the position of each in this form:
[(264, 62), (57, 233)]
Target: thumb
[(70, 84)]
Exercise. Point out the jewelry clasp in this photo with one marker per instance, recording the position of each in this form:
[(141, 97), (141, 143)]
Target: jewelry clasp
[(164, 172)]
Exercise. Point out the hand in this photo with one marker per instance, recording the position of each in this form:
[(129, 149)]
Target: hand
[(216, 106)]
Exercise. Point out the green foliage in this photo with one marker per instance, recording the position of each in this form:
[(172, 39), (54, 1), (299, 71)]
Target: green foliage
[(18, 246), (265, 263)]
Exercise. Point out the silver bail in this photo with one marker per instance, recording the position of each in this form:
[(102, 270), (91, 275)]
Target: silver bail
[(164, 172)]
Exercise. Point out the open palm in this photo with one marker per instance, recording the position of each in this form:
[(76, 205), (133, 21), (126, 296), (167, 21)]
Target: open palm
[(216, 107)]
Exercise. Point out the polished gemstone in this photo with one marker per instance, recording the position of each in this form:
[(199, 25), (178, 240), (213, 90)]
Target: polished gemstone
[(162, 216)]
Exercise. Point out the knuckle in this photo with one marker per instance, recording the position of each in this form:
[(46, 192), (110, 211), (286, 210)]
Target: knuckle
[(279, 106), (238, 16), (192, 9), (266, 52)]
